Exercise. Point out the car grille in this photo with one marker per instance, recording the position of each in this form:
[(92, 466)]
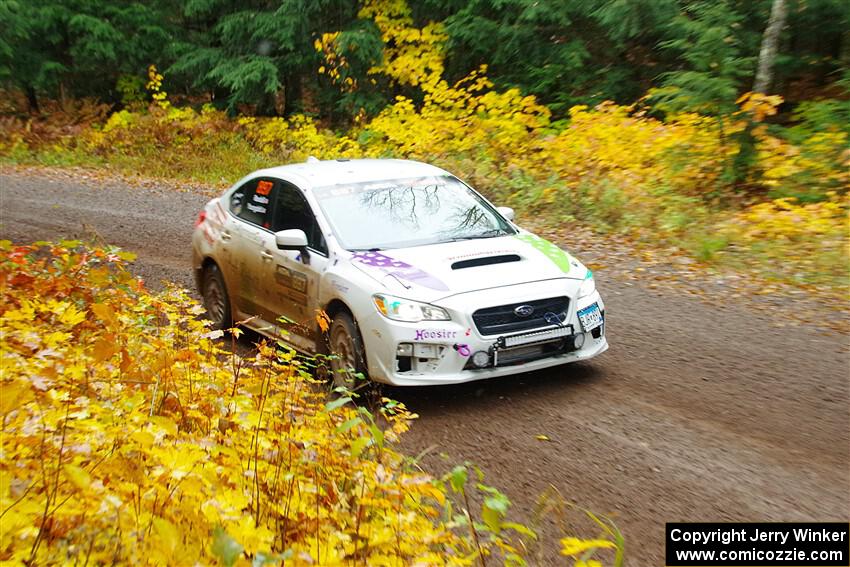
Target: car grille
[(503, 319)]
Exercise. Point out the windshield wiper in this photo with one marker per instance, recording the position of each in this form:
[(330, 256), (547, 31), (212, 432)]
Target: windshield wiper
[(365, 249), (492, 233)]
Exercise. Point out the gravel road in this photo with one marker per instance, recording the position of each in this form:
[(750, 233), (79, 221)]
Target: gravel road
[(700, 411)]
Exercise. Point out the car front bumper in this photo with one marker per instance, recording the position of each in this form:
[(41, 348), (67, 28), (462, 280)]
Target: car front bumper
[(442, 350)]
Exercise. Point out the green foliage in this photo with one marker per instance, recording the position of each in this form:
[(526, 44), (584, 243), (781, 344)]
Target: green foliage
[(524, 42), (628, 19), (564, 52), (13, 29), (79, 47), (707, 37), (819, 116), (816, 46), (360, 48), (225, 548), (258, 56), (131, 88), (254, 52)]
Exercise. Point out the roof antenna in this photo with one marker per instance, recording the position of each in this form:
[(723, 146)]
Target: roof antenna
[(313, 159)]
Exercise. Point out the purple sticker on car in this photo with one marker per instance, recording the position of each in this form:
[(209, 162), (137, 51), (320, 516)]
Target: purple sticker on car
[(399, 269), (425, 334), (379, 260)]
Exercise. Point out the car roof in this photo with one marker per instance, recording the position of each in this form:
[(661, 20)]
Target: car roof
[(321, 173)]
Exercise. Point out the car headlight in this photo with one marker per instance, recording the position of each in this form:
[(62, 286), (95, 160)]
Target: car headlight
[(587, 287), (399, 309)]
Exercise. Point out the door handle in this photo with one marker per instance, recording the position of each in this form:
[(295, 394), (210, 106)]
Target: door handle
[(267, 255), (225, 236)]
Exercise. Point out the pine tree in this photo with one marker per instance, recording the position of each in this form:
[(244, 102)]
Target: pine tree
[(260, 52), (563, 51), (78, 47), (714, 63)]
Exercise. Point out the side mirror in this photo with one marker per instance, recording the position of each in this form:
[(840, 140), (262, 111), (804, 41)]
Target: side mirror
[(291, 239), (506, 212)]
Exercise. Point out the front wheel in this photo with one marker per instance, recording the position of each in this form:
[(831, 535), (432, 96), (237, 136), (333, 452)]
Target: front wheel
[(215, 298), (348, 357)]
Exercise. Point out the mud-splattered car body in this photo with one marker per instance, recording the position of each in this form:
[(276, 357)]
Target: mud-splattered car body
[(423, 281)]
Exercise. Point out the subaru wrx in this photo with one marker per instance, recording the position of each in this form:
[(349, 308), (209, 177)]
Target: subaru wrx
[(422, 280)]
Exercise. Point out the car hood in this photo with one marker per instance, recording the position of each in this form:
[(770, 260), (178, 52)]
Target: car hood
[(437, 271)]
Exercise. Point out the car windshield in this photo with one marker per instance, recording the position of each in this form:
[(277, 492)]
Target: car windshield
[(399, 213)]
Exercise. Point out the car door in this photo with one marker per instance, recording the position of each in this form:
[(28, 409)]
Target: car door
[(294, 275), (249, 234)]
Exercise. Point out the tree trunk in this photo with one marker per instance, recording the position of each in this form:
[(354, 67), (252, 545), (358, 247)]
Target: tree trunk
[(292, 93), (280, 101), (63, 99), (32, 99), (770, 46)]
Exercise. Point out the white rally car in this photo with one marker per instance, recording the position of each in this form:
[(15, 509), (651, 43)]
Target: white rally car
[(423, 280)]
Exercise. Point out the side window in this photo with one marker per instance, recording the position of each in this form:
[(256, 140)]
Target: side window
[(293, 211), (252, 202)]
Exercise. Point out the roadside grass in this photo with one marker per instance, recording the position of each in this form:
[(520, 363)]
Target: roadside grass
[(130, 435)]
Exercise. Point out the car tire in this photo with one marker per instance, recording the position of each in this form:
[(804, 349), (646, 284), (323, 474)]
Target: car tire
[(216, 300), (348, 356)]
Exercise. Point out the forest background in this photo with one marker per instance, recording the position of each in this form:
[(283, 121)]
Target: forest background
[(718, 128), (714, 130)]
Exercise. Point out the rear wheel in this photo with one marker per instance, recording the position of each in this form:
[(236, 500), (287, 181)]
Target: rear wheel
[(215, 298), (348, 357)]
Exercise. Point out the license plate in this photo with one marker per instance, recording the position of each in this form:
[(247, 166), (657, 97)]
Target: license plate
[(590, 317)]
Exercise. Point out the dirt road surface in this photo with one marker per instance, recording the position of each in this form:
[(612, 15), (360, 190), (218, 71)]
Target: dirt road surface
[(699, 411)]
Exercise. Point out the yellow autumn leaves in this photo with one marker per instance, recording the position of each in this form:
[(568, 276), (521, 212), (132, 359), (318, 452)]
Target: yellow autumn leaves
[(417, 54), (130, 436)]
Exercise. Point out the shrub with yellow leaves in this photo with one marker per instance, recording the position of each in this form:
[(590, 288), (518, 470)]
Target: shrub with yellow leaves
[(296, 138), (803, 242), (821, 161), (129, 435), (336, 65), (154, 87), (416, 57)]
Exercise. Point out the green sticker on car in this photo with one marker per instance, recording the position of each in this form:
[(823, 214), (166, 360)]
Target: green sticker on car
[(551, 251)]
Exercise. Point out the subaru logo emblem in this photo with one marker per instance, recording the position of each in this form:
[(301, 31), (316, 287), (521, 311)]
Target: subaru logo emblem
[(523, 310)]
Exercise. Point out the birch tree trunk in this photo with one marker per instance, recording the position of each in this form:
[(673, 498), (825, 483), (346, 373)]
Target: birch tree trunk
[(770, 46)]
